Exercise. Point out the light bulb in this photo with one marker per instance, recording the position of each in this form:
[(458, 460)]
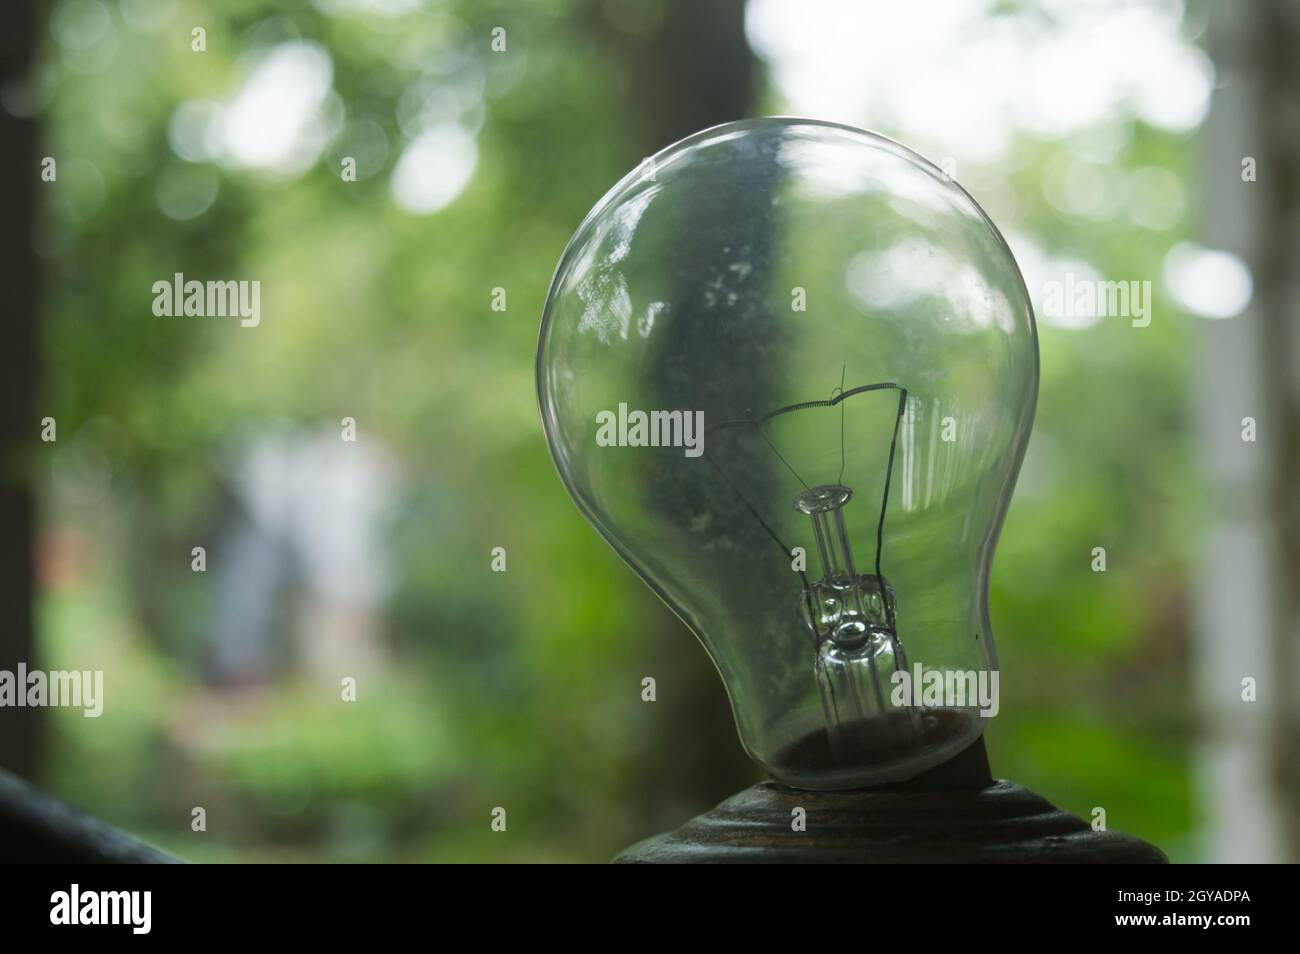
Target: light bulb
[(788, 370)]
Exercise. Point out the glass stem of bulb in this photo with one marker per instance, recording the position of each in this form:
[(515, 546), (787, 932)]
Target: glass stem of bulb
[(833, 544)]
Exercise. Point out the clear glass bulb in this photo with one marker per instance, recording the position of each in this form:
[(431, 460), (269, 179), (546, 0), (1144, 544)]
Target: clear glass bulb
[(788, 369)]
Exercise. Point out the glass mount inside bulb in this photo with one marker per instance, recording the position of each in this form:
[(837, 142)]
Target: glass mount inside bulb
[(850, 617)]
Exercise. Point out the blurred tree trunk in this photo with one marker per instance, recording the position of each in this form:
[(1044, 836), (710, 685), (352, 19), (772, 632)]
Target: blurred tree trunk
[(1248, 612), (19, 173), (692, 70), (1276, 265)]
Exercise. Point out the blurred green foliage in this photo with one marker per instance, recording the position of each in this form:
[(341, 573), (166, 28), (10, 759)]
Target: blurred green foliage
[(518, 689)]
